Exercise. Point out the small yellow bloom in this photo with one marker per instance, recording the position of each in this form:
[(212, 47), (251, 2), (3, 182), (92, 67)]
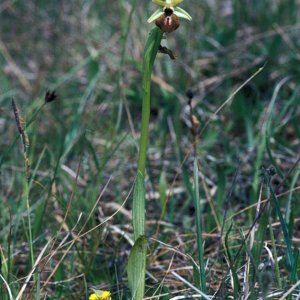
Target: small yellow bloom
[(100, 295)]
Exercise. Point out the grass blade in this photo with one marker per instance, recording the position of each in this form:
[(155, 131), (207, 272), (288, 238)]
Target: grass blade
[(287, 241), (163, 194), (198, 228)]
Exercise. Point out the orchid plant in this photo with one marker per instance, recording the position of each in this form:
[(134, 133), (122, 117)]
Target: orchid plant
[(166, 20)]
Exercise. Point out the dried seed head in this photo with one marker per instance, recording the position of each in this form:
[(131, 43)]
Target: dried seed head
[(21, 125), (17, 116), (190, 94), (50, 96), (27, 166)]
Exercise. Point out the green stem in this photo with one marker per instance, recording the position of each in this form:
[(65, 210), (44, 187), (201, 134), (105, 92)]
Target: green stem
[(137, 259), (138, 210), (150, 52), (27, 188)]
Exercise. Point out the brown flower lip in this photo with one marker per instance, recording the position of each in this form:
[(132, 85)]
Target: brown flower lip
[(167, 22)]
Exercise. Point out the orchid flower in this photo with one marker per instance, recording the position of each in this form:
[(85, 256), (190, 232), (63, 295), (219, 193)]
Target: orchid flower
[(167, 19)]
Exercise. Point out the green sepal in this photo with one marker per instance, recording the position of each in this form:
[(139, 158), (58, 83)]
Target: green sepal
[(159, 2), (181, 13), (156, 15)]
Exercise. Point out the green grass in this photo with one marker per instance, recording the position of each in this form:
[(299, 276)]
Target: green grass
[(83, 150)]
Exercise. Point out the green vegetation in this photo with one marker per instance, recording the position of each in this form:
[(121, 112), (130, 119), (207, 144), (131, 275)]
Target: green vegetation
[(222, 158)]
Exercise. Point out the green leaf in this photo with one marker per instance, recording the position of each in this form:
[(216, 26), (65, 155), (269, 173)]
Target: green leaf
[(137, 267), (138, 210)]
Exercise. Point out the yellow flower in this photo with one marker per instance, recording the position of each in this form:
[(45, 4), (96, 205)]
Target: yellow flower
[(94, 297), (100, 295)]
